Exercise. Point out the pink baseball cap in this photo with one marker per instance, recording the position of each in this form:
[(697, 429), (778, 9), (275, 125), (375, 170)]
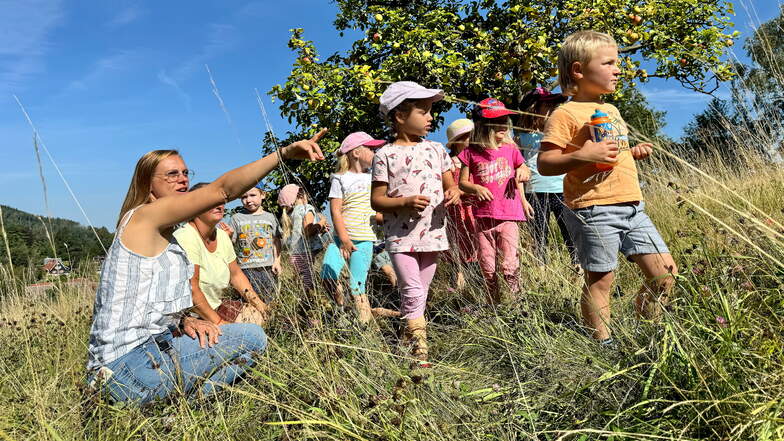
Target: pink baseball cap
[(357, 139), (288, 195), (400, 91), (492, 108)]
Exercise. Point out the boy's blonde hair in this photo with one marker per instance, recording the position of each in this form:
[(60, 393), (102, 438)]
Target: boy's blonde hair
[(483, 134), (579, 47)]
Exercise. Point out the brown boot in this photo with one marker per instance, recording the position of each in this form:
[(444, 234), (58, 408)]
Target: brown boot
[(416, 336), (363, 308)]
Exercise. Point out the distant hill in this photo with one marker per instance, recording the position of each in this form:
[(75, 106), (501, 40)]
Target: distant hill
[(30, 243)]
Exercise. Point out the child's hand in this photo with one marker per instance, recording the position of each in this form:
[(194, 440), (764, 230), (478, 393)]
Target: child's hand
[(523, 174), (452, 196), (223, 226), (528, 209), (418, 202), (605, 151), (642, 151), (276, 268), (346, 248), (483, 194), (305, 149)]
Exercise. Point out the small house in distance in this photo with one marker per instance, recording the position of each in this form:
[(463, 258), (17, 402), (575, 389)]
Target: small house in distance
[(55, 267)]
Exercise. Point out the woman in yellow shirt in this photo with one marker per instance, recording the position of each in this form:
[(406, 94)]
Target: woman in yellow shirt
[(211, 252)]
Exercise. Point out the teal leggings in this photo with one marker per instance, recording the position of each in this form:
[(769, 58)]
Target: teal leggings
[(358, 265)]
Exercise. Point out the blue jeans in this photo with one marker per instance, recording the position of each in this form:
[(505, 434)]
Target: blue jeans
[(165, 364), (359, 264)]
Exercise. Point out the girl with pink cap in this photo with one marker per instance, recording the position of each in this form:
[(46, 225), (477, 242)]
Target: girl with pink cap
[(492, 170), (349, 202), (412, 185), (301, 229)]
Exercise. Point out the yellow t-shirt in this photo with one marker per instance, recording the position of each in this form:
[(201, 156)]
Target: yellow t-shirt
[(569, 127), (214, 275)]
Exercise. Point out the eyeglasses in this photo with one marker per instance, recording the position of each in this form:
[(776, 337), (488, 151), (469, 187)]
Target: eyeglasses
[(172, 175)]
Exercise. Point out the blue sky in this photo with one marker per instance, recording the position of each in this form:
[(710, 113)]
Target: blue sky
[(106, 81)]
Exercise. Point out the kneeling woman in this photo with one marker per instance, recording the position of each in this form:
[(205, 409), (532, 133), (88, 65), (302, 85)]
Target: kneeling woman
[(142, 346), (215, 269)]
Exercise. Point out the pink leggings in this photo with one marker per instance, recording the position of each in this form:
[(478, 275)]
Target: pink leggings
[(498, 236), (414, 273)]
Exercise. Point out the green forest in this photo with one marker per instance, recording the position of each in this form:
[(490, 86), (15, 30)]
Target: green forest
[(31, 238)]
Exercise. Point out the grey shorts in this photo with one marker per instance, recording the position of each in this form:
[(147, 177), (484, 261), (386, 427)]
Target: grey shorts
[(380, 260), (600, 231)]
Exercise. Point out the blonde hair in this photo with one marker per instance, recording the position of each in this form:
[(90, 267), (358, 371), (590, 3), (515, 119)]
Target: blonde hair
[(342, 164), (483, 134), (579, 47), (139, 190), (285, 218)]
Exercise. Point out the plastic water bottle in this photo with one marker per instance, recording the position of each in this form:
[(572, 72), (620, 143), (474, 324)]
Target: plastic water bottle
[(601, 129)]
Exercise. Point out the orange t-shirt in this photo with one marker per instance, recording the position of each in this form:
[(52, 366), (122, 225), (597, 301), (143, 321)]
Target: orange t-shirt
[(569, 127)]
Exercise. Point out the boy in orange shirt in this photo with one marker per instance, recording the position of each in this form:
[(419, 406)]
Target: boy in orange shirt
[(601, 187)]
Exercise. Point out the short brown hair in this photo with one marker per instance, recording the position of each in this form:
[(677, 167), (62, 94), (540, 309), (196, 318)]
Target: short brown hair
[(579, 47)]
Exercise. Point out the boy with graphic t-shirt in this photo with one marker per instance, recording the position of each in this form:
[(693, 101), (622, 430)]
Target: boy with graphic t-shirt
[(601, 187), (256, 234)]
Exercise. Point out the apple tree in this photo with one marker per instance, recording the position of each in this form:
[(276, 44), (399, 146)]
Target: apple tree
[(478, 48)]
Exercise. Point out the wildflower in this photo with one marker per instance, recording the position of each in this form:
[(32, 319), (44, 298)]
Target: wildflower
[(721, 321), (747, 285)]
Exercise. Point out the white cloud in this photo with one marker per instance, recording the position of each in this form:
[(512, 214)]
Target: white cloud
[(680, 96), (126, 16), (220, 38), (103, 67), (164, 78), (25, 28)]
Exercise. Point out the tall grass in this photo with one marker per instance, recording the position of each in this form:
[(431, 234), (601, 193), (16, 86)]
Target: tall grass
[(711, 368)]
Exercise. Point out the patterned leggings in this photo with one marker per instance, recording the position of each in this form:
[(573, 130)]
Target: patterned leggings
[(303, 265)]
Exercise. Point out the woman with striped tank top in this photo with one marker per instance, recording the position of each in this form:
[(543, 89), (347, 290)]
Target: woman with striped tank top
[(143, 346), (349, 202)]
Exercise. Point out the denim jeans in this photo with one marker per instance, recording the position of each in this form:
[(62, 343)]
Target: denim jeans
[(165, 364)]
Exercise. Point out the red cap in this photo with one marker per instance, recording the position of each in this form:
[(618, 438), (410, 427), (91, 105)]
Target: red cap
[(492, 108)]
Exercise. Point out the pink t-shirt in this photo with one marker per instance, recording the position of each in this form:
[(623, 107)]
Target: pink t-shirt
[(495, 169), (409, 171)]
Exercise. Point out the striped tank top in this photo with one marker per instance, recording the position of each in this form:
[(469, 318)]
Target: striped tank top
[(137, 298), (358, 216)]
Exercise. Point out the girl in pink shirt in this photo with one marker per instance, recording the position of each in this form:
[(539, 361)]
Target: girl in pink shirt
[(492, 170)]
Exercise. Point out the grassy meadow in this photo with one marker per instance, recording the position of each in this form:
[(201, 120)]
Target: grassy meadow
[(711, 368)]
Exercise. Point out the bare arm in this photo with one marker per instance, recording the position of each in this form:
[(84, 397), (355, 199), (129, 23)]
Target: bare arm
[(276, 254), (379, 200), (553, 160), (200, 303), (451, 190), (470, 188), (168, 211), (311, 228), (336, 210)]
